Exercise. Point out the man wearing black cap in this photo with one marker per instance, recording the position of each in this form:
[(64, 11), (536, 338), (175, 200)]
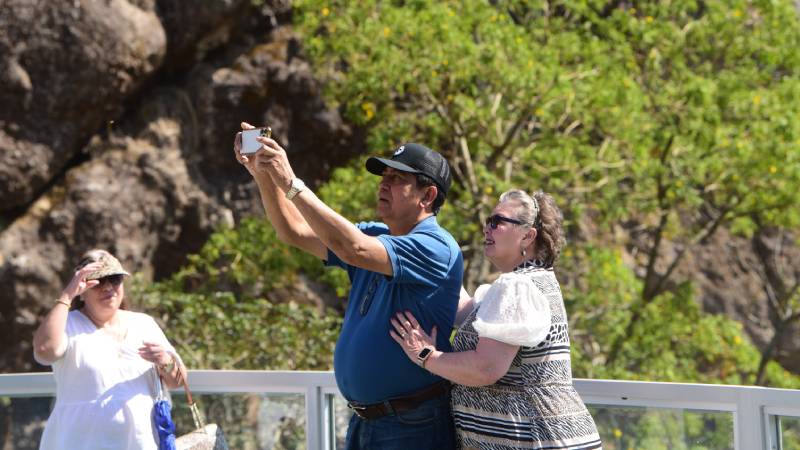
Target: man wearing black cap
[(406, 263)]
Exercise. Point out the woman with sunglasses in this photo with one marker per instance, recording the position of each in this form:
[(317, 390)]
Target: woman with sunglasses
[(102, 356), (510, 364)]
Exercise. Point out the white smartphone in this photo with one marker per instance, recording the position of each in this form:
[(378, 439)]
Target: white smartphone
[(249, 142)]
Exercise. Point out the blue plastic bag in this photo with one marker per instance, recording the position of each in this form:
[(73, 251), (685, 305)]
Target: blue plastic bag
[(162, 417)]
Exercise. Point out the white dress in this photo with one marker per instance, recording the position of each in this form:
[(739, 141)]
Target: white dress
[(104, 389)]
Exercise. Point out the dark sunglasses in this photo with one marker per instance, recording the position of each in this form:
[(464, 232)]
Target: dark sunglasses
[(113, 280), (495, 219)]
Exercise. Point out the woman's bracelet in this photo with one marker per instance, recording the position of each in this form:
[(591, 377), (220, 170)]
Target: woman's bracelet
[(67, 304)]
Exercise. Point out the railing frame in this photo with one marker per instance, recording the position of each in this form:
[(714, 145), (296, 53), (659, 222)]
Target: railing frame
[(754, 409)]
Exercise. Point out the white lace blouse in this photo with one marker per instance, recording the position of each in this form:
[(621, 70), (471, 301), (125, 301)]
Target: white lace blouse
[(512, 310)]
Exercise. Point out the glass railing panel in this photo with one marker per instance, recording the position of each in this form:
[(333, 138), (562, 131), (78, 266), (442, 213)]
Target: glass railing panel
[(623, 428), (249, 421), (268, 410), (340, 419), (22, 421), (789, 432)]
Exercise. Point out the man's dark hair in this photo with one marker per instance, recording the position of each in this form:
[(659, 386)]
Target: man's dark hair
[(424, 181)]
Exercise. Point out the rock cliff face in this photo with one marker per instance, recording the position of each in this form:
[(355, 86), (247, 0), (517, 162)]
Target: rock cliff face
[(116, 131), (66, 69), (116, 126), (748, 279)]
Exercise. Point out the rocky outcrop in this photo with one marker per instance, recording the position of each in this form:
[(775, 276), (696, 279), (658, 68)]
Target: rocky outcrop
[(153, 184), (736, 276), (66, 68)]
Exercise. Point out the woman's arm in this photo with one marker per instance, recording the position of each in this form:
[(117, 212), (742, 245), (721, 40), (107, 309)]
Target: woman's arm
[(49, 340), (465, 305), (480, 367)]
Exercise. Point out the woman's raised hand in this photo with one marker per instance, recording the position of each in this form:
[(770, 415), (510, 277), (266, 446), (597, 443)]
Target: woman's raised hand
[(79, 284)]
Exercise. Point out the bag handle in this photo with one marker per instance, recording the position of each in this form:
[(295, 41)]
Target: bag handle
[(183, 377), (198, 420)]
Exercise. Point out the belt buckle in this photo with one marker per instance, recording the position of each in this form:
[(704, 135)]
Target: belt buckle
[(358, 409)]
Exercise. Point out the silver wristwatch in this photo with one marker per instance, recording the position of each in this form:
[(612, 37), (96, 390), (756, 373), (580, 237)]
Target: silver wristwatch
[(296, 187)]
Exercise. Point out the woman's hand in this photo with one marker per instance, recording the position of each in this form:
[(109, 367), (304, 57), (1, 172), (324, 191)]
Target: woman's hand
[(410, 335), (169, 368), (155, 353), (79, 284)]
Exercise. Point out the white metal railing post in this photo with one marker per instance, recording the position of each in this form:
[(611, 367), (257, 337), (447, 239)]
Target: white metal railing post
[(748, 426), (314, 418), (329, 398), (327, 423), (772, 432), (772, 423)]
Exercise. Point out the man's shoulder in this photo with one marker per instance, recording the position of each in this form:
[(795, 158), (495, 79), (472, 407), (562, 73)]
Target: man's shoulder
[(436, 243), (431, 228), (373, 228)]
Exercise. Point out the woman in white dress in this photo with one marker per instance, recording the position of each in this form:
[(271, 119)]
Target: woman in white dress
[(510, 362), (102, 357)]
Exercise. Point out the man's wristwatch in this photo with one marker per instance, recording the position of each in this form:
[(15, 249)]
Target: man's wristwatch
[(423, 356), (296, 187)]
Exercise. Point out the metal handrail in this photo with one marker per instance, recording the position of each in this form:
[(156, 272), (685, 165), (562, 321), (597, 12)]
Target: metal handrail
[(753, 408)]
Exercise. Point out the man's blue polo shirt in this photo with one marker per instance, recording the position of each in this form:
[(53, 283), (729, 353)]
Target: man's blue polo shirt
[(428, 266)]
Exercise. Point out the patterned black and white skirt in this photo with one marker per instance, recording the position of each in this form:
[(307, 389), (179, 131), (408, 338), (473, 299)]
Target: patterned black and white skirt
[(512, 417)]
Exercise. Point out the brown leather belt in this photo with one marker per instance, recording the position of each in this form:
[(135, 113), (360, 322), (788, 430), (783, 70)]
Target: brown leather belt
[(400, 404)]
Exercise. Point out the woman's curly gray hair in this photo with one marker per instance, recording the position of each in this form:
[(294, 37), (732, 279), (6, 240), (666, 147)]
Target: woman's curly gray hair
[(539, 211)]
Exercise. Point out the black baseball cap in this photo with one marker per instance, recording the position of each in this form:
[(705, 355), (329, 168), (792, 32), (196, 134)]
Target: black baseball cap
[(415, 158)]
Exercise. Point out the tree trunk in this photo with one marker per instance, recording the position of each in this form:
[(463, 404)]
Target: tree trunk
[(768, 353)]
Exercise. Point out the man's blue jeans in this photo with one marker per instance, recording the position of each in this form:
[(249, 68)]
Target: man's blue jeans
[(428, 427)]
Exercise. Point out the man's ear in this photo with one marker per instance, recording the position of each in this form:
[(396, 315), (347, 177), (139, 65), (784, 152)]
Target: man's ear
[(430, 195)]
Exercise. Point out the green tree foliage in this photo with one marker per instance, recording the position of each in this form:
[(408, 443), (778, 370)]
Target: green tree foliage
[(672, 118), (634, 114), (673, 339), (217, 309), (663, 429), (664, 122)]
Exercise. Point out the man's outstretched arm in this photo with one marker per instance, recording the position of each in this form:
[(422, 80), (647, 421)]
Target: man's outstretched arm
[(289, 224), (333, 231)]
